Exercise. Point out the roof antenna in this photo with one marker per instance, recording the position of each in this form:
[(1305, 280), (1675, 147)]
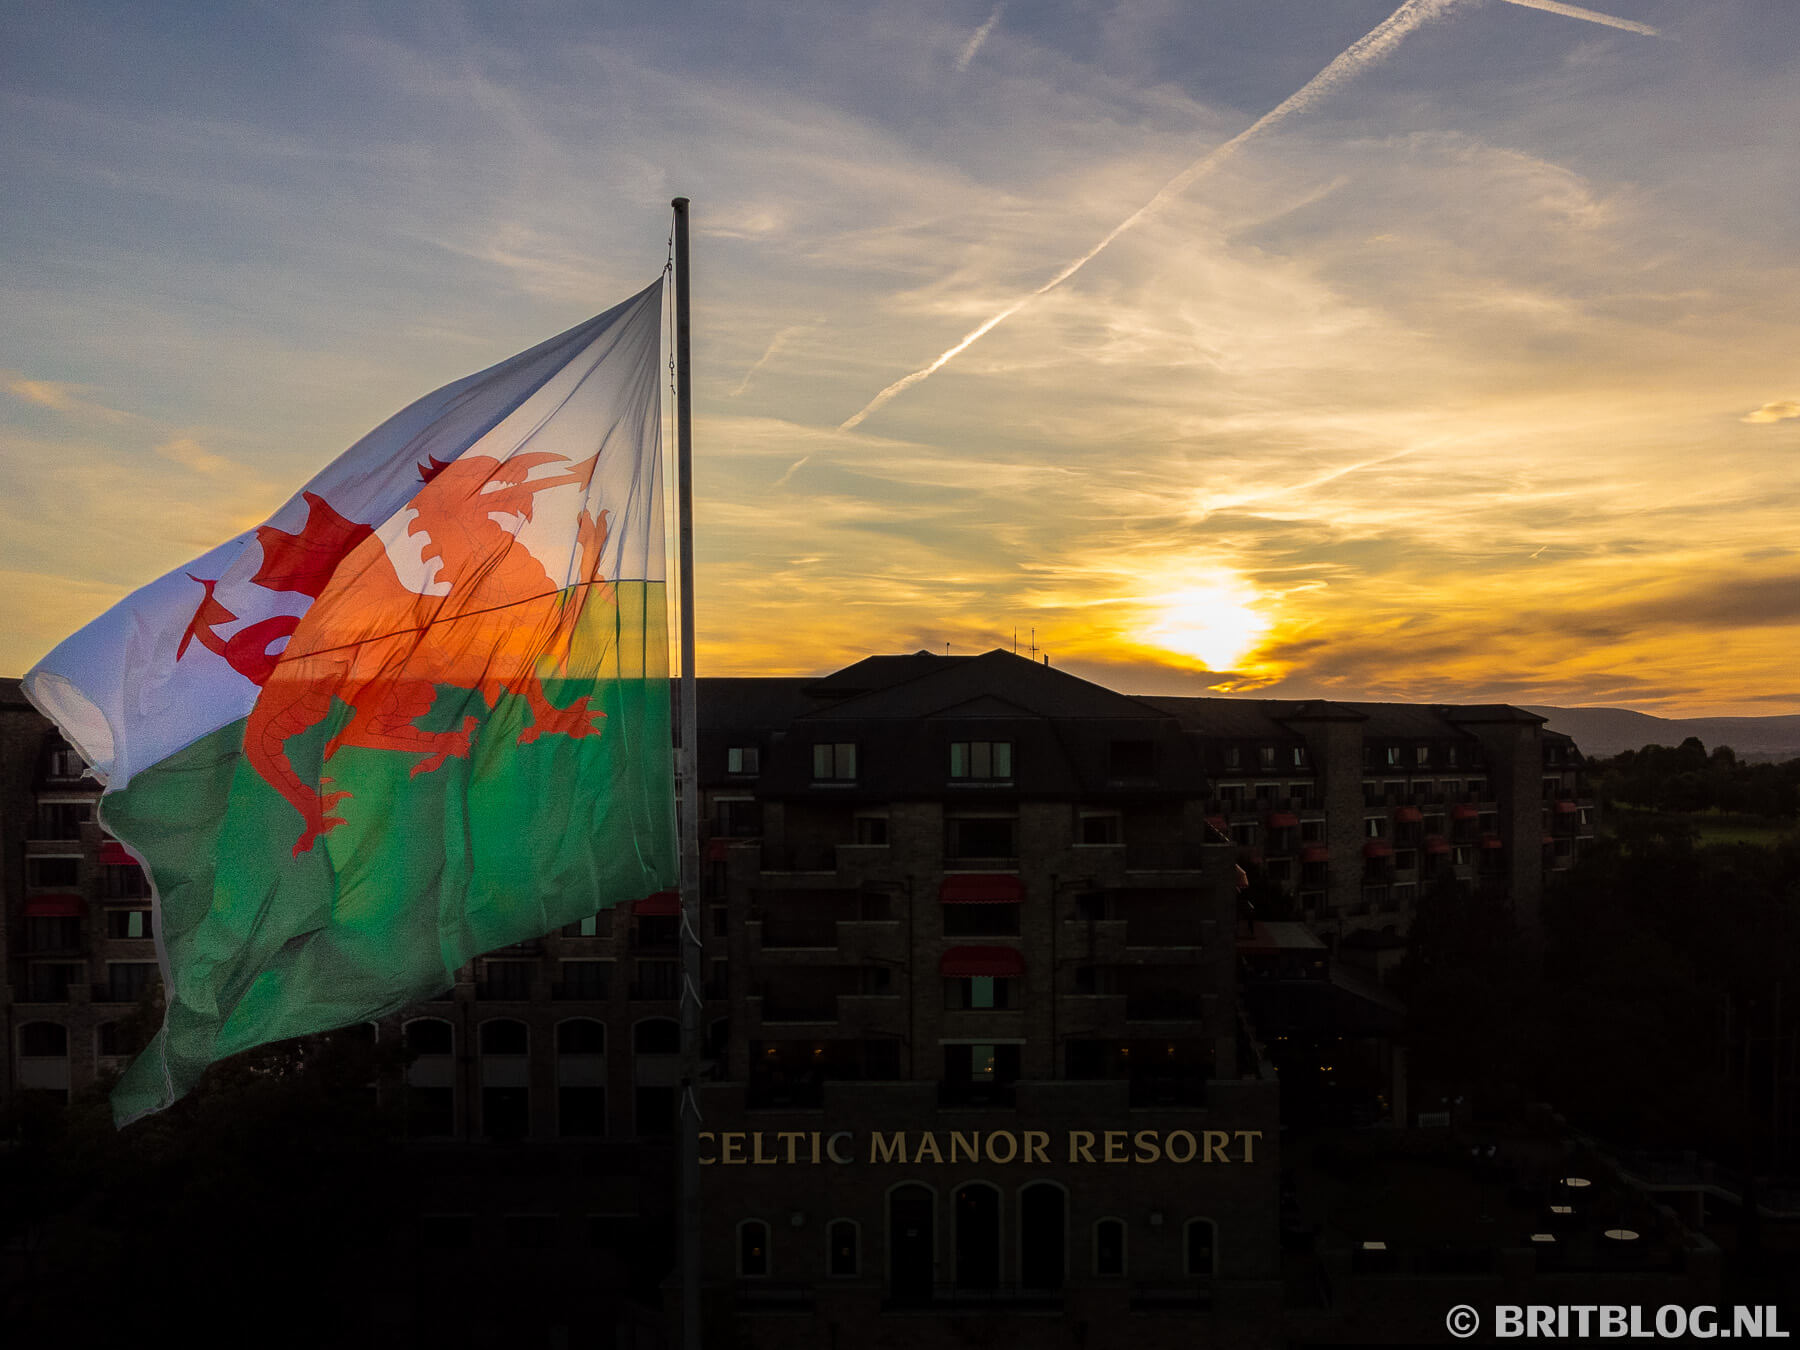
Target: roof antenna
[(1034, 644)]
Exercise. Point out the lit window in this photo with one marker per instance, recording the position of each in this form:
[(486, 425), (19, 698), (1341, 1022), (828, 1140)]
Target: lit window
[(1265, 756), (1393, 755), (742, 759), (753, 1248)]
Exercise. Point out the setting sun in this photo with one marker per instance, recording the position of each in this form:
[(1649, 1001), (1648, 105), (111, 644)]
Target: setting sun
[(1215, 622)]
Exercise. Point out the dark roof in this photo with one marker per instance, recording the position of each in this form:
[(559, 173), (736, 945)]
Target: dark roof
[(1226, 717), (926, 686)]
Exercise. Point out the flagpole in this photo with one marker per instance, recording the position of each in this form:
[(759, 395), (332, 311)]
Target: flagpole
[(687, 764)]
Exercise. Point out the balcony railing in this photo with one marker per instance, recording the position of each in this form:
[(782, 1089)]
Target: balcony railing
[(799, 858), (786, 932), (1178, 856), (1163, 1007)]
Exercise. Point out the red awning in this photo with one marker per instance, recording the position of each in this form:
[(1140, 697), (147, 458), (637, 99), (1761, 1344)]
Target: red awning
[(113, 854), (981, 888), (55, 907), (1378, 848), (662, 905), (1315, 853), (1436, 843), (1463, 812), (1408, 815), (964, 962), (1218, 823), (1567, 808), (1549, 839), (1492, 841), (1282, 820)]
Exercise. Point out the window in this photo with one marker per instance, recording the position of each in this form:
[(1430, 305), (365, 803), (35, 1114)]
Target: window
[(981, 759), (506, 980), (834, 762), (654, 1106), (1090, 906), (743, 759), (52, 871), (61, 820), (872, 831), (981, 837), (657, 1036), (43, 1040), (738, 817), (429, 1036), (1234, 757), (1451, 755), (1200, 1247), (127, 980), (581, 1036), (128, 923), (1100, 828), (52, 935), (753, 1248), (1393, 756), (588, 927), (840, 1244), (1131, 759), (1375, 827), (49, 981), (981, 920), (1265, 756), (503, 1036), (1422, 756), (1109, 1247), (978, 993), (1301, 758)]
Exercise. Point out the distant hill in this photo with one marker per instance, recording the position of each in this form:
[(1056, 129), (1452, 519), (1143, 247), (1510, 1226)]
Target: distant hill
[(1607, 731)]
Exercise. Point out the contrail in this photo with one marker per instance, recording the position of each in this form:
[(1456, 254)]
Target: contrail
[(1577, 12), (981, 36), (776, 345), (1365, 51)]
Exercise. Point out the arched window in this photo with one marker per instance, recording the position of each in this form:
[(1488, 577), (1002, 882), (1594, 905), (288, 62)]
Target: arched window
[(841, 1248), (581, 1078), (911, 1242), (1043, 1235), (1201, 1245), (43, 1040), (753, 1248), (976, 1206), (505, 1078), (657, 1036), (1109, 1247), (430, 1078)]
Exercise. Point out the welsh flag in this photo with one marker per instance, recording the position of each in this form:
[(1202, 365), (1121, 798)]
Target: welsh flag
[(421, 713)]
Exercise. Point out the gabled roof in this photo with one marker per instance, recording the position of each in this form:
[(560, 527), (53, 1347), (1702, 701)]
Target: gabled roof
[(924, 685)]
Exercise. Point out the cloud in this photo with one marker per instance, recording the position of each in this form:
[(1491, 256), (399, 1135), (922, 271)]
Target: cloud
[(188, 452), (981, 36), (58, 397), (1779, 411)]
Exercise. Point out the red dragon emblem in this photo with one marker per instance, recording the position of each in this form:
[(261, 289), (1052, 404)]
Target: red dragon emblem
[(384, 648)]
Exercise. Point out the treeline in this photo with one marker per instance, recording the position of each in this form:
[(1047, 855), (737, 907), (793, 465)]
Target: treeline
[(1687, 778)]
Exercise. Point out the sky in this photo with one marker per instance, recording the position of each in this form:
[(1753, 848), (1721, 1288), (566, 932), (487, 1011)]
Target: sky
[(1440, 351)]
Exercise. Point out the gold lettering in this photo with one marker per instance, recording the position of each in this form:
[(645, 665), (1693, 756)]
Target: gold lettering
[(965, 1141), (1084, 1150), (1216, 1140), (1114, 1141), (756, 1153), (1037, 1145), (1249, 1137), (706, 1137), (1169, 1146), (831, 1150), (928, 1144), (815, 1147), (1148, 1150), (1012, 1147), (793, 1137), (887, 1147), (732, 1141)]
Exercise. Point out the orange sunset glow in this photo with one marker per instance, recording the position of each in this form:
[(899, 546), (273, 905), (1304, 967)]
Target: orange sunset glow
[(1440, 353)]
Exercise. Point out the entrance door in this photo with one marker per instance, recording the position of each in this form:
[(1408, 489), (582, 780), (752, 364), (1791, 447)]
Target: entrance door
[(911, 1214), (977, 1237)]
